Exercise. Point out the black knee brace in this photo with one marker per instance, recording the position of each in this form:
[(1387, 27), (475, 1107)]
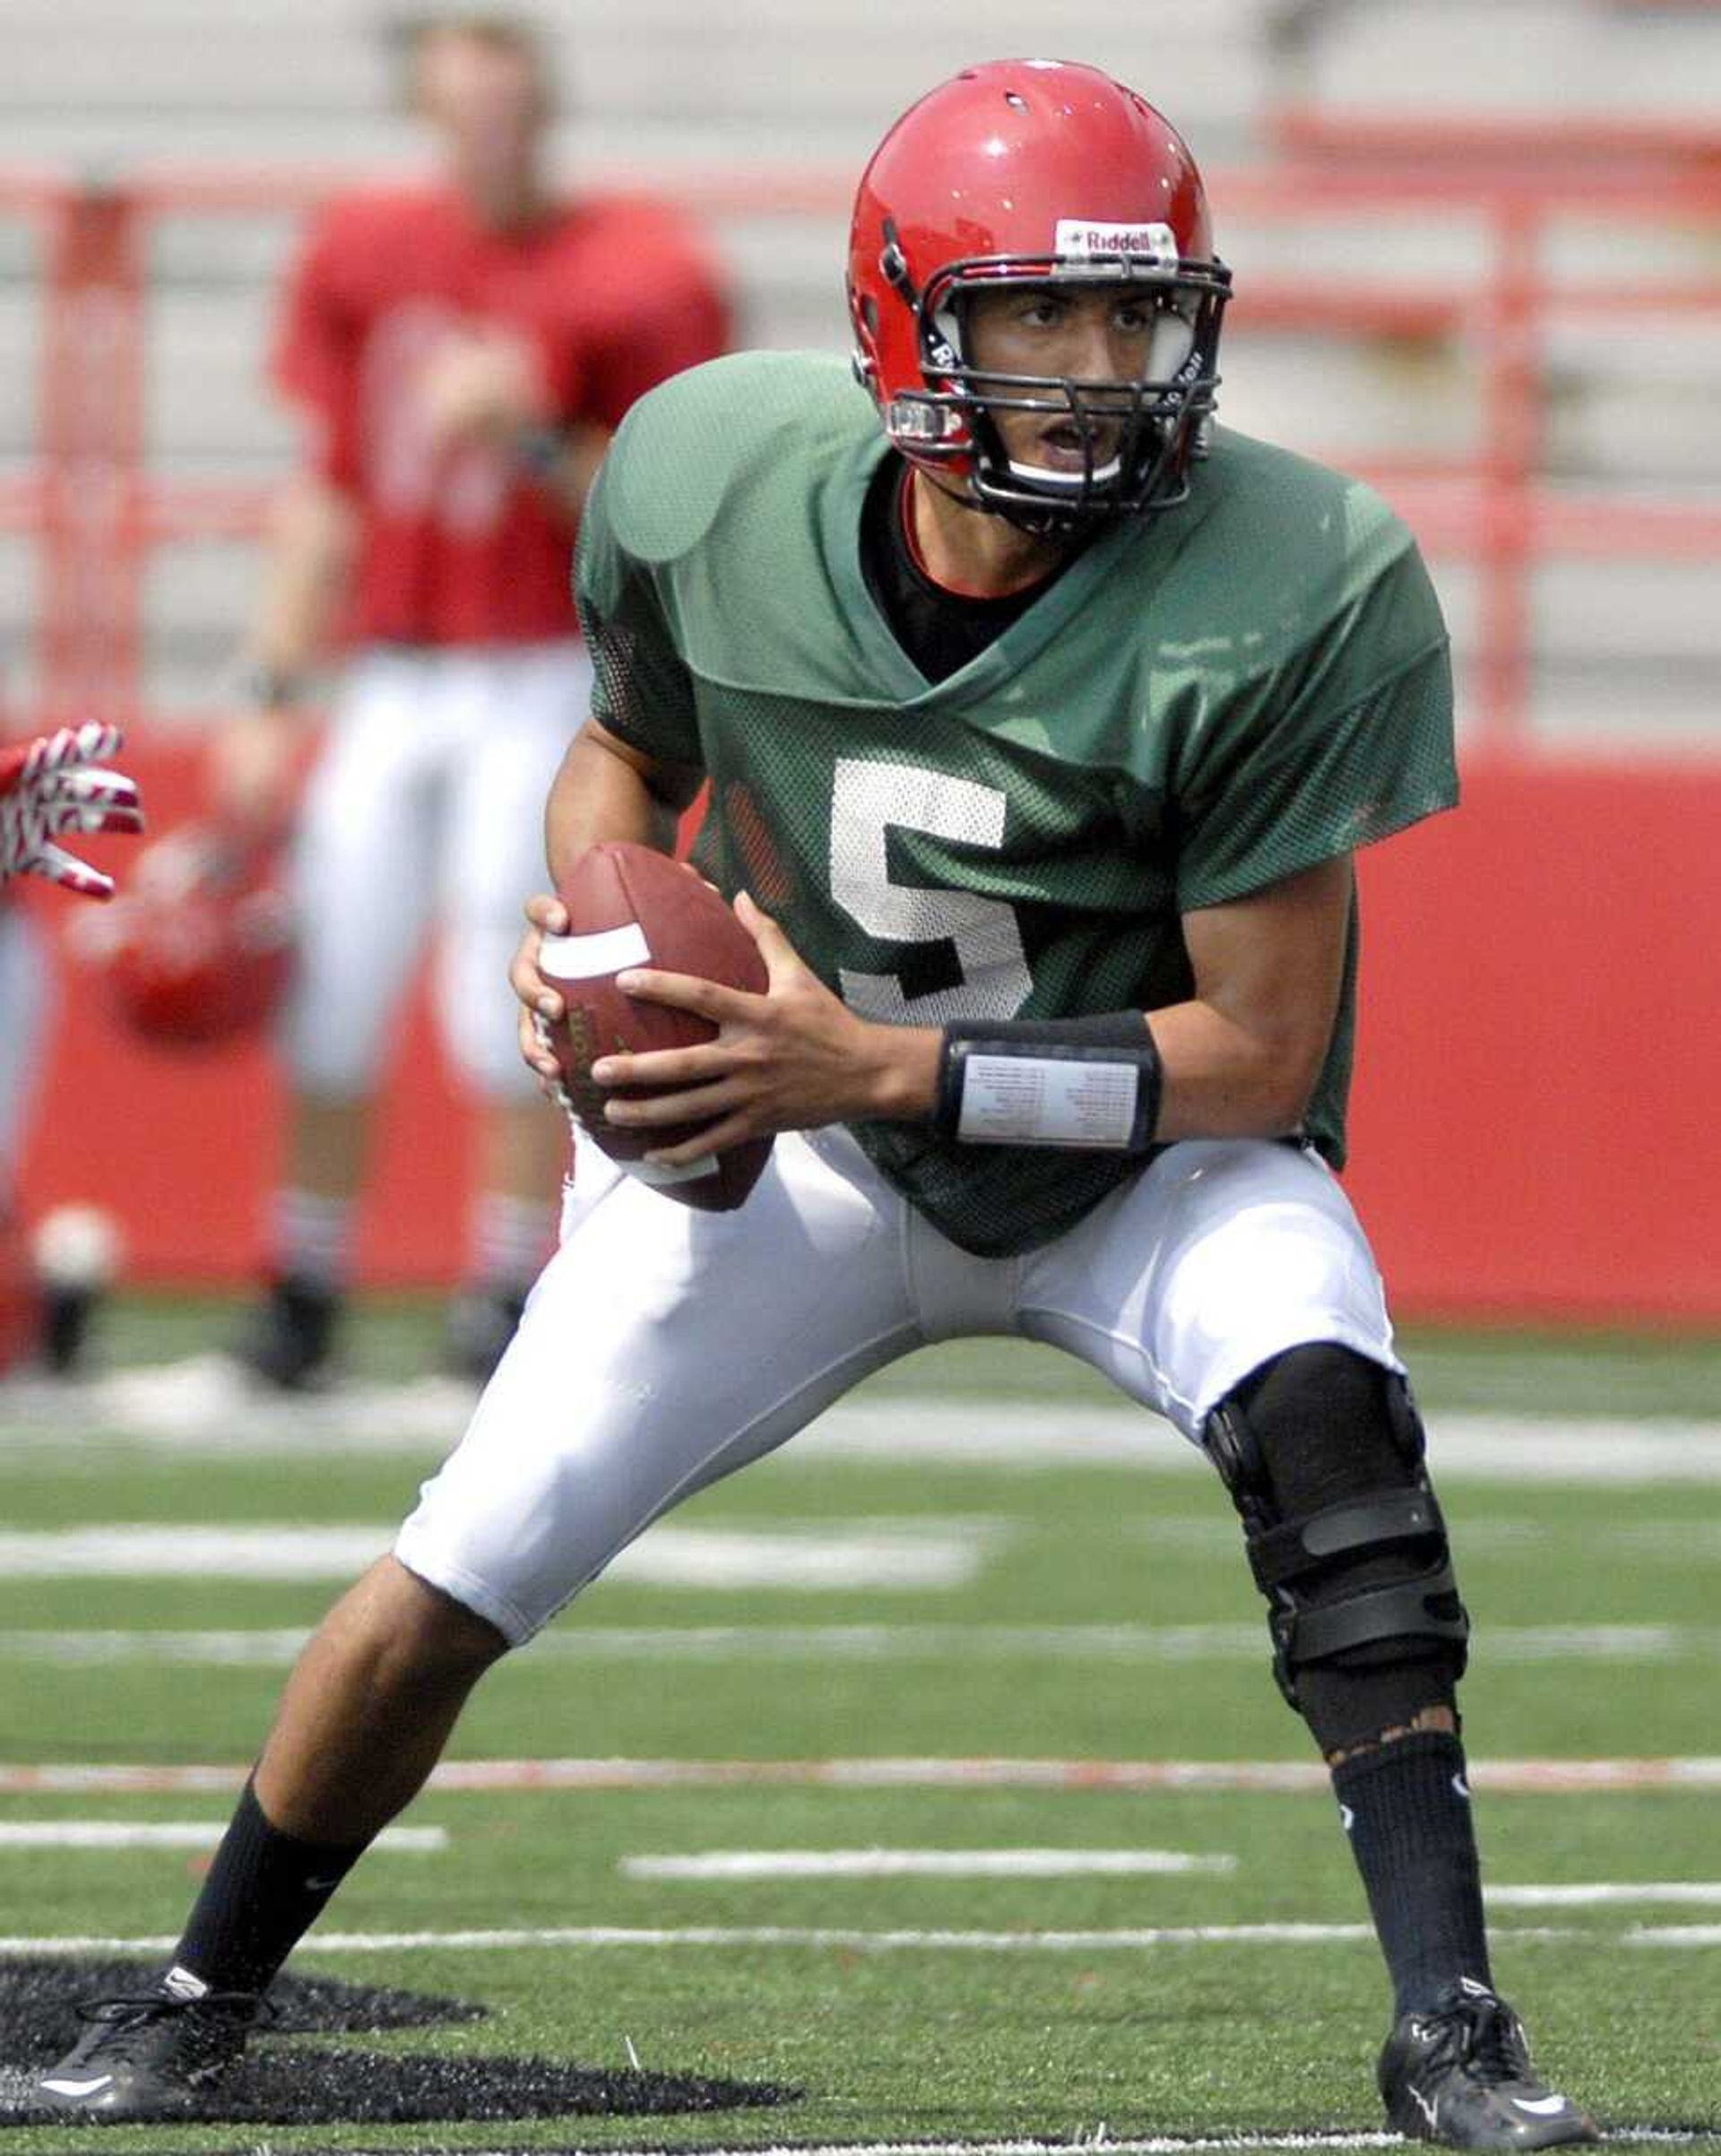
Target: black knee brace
[(1321, 1452)]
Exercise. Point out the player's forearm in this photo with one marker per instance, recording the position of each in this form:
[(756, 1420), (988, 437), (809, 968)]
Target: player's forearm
[(312, 536), (1219, 1079), (1124, 1080), (604, 793), (1243, 1056)]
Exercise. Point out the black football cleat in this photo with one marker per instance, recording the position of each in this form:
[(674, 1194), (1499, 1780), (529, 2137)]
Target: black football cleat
[(480, 1322), (288, 1343), (153, 2057), (1461, 2076)]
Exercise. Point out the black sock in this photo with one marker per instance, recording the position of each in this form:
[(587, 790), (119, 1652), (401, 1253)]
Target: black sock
[(263, 1891), (1407, 1809)]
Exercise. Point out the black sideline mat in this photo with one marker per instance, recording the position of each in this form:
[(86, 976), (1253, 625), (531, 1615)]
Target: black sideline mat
[(299, 2083)]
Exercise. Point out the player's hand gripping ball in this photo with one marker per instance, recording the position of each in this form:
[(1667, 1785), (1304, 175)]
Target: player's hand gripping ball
[(630, 906)]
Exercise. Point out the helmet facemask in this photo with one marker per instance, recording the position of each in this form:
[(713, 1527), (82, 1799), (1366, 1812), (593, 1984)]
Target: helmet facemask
[(1160, 420)]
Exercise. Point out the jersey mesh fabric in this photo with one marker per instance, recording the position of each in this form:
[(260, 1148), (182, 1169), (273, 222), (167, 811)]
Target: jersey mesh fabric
[(1201, 706)]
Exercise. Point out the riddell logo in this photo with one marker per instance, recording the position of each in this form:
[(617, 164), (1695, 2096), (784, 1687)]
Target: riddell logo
[(1075, 239)]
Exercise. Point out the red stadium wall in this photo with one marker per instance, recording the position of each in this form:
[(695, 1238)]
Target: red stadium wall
[(1535, 1132)]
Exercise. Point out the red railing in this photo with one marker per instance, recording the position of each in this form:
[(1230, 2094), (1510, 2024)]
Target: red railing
[(96, 506)]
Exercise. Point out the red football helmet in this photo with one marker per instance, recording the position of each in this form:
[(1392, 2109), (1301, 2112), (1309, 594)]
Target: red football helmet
[(199, 947), (1036, 172)]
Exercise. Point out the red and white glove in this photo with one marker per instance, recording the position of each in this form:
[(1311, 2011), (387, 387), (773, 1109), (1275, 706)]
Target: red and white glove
[(56, 785)]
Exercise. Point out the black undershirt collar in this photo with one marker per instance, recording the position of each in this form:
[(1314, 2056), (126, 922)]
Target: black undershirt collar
[(940, 630)]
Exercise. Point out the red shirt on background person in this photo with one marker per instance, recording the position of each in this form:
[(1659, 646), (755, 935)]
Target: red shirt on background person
[(399, 299)]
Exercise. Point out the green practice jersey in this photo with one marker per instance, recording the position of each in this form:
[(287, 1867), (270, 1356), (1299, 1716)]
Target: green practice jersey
[(1203, 702)]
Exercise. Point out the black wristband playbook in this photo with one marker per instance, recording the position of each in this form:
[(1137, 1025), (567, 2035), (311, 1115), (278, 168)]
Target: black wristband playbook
[(1092, 1083)]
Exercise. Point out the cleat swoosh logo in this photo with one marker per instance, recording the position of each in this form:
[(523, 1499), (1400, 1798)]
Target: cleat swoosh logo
[(1542, 2106), (77, 2088), (1430, 2111)]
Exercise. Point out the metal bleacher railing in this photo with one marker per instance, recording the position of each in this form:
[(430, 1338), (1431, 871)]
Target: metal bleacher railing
[(93, 504)]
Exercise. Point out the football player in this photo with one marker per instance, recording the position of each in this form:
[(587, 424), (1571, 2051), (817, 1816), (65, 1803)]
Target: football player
[(1048, 718), (460, 351)]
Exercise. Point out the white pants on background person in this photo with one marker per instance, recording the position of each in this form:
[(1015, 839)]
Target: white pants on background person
[(707, 1340), (424, 817), (425, 812)]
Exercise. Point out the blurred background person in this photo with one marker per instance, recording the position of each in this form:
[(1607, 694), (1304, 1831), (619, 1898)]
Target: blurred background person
[(461, 352)]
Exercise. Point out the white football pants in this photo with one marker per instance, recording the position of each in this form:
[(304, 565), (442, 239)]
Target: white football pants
[(664, 1348), (426, 805)]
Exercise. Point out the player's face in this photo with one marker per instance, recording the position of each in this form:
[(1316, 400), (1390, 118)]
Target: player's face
[(1091, 333), (489, 105)]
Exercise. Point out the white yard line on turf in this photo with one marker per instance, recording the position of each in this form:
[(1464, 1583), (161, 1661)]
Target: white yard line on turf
[(279, 1648), (1101, 2144), (921, 1863), (1605, 1893), (1516, 1776), (191, 1408), (1540, 1448), (176, 1834), (913, 1555), (854, 1940), (1074, 1863), (849, 1939)]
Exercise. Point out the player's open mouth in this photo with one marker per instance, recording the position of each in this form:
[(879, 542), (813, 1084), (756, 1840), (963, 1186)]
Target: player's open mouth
[(1066, 446), (1070, 454)]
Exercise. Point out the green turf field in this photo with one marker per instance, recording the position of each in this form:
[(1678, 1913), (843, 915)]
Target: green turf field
[(903, 1601)]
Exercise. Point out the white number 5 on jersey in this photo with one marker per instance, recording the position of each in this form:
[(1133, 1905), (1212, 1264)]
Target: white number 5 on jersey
[(870, 797)]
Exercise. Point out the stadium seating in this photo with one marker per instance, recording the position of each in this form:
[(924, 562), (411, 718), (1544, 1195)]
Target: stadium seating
[(667, 90)]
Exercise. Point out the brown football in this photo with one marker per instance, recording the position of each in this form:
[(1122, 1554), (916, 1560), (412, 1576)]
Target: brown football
[(628, 905)]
